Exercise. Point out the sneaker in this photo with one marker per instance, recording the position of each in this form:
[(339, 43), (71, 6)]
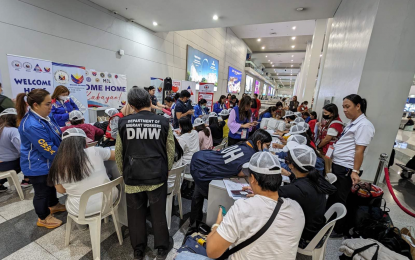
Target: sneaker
[(162, 253), (49, 222), (57, 208), (138, 255), (25, 184), (3, 188)]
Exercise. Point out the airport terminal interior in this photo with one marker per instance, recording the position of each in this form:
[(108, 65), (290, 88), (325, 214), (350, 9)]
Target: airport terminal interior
[(316, 52)]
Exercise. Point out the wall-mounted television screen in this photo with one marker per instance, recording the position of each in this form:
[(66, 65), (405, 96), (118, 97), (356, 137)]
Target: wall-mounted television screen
[(269, 91), (264, 90), (201, 67), (248, 84), (234, 80), (256, 87)]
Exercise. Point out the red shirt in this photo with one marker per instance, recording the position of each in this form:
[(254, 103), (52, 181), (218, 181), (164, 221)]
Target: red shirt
[(324, 129), (90, 130)]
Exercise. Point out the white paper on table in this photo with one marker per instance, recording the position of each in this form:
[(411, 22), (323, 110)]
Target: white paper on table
[(235, 184)]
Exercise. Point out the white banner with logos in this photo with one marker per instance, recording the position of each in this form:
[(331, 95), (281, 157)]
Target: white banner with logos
[(191, 87), (105, 89), (206, 87), (176, 86), (27, 74)]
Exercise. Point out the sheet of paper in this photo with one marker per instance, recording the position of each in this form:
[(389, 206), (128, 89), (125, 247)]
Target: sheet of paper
[(234, 184)]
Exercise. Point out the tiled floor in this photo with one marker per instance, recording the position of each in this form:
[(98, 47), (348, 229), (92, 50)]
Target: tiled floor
[(22, 239)]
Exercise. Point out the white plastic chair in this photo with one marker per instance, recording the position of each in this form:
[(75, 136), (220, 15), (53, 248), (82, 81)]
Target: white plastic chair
[(13, 180), (173, 191), (108, 207), (331, 177), (318, 253)]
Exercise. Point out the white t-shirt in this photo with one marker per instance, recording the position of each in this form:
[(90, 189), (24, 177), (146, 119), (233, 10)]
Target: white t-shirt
[(359, 132), (190, 144), (98, 176), (246, 217)]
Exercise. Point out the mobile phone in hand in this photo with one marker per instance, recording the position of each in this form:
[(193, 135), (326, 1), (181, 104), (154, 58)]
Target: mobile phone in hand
[(223, 210)]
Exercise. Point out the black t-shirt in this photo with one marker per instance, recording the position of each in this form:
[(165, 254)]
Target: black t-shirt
[(153, 100), (217, 133), (180, 107)]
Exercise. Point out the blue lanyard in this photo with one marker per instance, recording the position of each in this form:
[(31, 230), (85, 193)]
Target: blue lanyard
[(345, 130)]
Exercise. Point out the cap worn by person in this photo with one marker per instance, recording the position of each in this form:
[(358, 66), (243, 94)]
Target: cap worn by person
[(111, 111), (295, 138), (213, 114), (9, 111), (297, 129), (303, 124), (73, 132), (263, 163), (298, 114), (198, 122), (302, 155), (298, 120), (224, 112), (288, 113), (75, 115)]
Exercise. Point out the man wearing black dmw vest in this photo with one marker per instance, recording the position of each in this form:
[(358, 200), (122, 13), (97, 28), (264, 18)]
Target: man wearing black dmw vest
[(145, 154)]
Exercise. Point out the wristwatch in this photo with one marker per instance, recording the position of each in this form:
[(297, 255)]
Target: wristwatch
[(215, 226), (356, 171)]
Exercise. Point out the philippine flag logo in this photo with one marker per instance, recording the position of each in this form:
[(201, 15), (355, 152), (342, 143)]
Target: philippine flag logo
[(190, 90), (159, 89), (94, 73), (77, 79), (123, 102), (47, 69)]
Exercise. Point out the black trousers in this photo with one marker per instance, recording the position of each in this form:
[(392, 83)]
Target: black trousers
[(232, 141), (45, 196), (196, 212), (136, 213), (7, 166), (343, 184)]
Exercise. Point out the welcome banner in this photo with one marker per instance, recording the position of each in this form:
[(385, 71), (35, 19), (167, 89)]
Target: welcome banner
[(105, 89), (27, 74), (72, 77)]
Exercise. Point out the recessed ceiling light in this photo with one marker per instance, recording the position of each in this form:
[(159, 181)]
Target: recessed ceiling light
[(258, 40), (215, 17), (293, 46), (271, 62), (292, 60), (272, 65), (293, 38), (266, 56), (292, 65), (268, 60), (263, 47), (321, 55), (277, 74), (291, 74), (155, 23), (300, 9), (294, 27), (292, 55)]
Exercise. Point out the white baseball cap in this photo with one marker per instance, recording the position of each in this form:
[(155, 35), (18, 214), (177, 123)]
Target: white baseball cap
[(298, 114), (302, 155), (213, 114), (73, 132), (111, 111), (304, 124), (198, 122), (297, 129), (263, 163), (75, 115), (9, 111), (224, 112), (298, 120), (299, 139), (288, 113)]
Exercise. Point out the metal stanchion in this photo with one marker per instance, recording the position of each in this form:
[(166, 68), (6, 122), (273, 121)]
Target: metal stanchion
[(382, 160)]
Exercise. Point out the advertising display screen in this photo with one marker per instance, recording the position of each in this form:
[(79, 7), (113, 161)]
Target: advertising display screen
[(201, 67), (269, 91), (256, 87), (248, 84), (264, 90), (234, 80)]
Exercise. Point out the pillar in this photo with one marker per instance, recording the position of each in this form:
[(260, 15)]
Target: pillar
[(371, 53)]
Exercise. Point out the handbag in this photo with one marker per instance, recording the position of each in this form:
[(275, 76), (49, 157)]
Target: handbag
[(368, 194), (407, 236)]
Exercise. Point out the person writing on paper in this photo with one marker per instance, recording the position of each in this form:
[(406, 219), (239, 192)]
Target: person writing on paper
[(211, 165), (77, 120), (62, 105), (289, 119), (239, 122), (182, 109), (332, 128), (201, 110), (247, 217), (349, 151), (77, 169)]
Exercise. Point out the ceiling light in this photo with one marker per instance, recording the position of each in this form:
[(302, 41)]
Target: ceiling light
[(215, 17), (277, 74), (292, 55), (155, 23), (263, 47), (271, 62), (266, 56), (293, 46), (272, 65), (259, 40), (293, 38), (292, 60), (300, 9), (268, 60), (294, 27), (321, 55), (291, 74), (292, 65)]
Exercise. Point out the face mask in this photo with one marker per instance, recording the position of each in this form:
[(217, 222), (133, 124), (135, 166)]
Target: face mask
[(203, 107), (265, 150), (326, 117), (64, 98)]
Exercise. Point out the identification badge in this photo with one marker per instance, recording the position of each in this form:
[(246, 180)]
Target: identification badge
[(330, 151), (244, 133)]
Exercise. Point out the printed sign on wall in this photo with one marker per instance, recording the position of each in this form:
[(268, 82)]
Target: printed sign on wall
[(105, 89), (27, 74), (176, 86), (72, 77), (206, 87)]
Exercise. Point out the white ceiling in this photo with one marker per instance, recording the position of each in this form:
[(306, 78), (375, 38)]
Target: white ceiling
[(275, 29), (279, 57), (175, 15)]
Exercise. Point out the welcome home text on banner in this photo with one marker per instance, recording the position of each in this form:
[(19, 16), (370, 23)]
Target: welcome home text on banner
[(27, 74), (105, 89), (72, 77)]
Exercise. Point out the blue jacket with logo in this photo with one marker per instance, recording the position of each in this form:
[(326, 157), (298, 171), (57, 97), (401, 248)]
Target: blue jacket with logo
[(40, 140), (199, 111), (61, 111), (217, 107)]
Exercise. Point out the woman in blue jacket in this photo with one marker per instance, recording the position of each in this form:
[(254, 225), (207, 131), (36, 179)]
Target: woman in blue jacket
[(40, 138), (220, 105), (271, 112), (62, 105), (200, 109)]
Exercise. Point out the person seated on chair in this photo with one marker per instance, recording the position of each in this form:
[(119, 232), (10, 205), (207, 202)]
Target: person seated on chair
[(205, 135), (188, 140), (208, 165), (270, 112), (225, 116), (409, 123), (216, 127), (248, 216), (78, 121), (77, 169), (201, 110), (178, 161), (289, 119), (62, 105)]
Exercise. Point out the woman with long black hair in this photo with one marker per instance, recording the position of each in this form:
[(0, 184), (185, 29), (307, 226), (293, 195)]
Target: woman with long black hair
[(201, 110), (239, 122), (349, 152), (216, 128)]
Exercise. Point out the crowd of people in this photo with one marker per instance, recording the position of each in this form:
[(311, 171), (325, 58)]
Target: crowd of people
[(45, 137)]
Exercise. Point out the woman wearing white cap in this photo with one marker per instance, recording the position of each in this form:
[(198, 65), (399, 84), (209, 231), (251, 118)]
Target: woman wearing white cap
[(77, 169), (247, 217), (289, 118), (205, 135), (78, 121), (216, 128), (225, 116)]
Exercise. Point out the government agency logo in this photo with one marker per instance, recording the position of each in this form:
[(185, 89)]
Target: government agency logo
[(109, 75), (27, 66), (102, 75), (86, 73), (88, 79), (17, 64), (97, 79), (94, 73), (61, 77), (37, 68)]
